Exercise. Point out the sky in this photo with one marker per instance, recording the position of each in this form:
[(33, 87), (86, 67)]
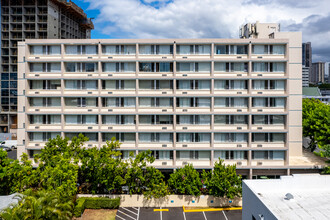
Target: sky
[(209, 19)]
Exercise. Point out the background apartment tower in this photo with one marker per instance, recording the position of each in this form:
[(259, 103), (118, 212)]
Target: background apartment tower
[(32, 19), (318, 73), (306, 63)]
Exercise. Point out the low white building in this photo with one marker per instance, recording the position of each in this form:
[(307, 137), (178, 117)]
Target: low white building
[(301, 196)]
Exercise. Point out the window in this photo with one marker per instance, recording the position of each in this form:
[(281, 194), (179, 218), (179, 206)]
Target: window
[(119, 67), (193, 155), (193, 49), (118, 102), (43, 136), (118, 119), (193, 102), (268, 137), (81, 102), (230, 49), (203, 67), (230, 67), (194, 137), (156, 137), (81, 84), (194, 84), (155, 102), (268, 49), (127, 154), (268, 102), (231, 102), (121, 137), (45, 50), (81, 119), (45, 102), (268, 119), (45, 119), (155, 119), (156, 67), (92, 137), (155, 84), (268, 155), (155, 49), (230, 84), (45, 67), (193, 119), (45, 84), (268, 67), (118, 49), (118, 84), (230, 137), (231, 155), (81, 67), (162, 155), (81, 49)]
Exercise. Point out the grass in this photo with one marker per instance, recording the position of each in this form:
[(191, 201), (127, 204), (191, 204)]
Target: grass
[(96, 214)]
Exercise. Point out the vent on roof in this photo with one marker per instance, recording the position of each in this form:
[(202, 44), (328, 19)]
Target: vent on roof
[(288, 196)]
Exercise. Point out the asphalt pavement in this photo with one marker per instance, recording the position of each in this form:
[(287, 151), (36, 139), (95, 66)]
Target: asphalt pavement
[(12, 154), (158, 213)]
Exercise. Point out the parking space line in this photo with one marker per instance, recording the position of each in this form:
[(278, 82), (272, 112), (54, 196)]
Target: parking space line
[(224, 215), (138, 214), (204, 215), (184, 215), (126, 214), (129, 211), (135, 208), (161, 215), (120, 217)]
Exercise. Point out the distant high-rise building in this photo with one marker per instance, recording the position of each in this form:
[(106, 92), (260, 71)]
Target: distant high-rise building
[(305, 76), (33, 19), (317, 73), (327, 72), (307, 54)]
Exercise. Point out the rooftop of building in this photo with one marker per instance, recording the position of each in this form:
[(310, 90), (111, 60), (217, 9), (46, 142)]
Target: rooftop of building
[(311, 196), (311, 91)]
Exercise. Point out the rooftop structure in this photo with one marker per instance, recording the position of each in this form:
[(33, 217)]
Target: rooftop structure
[(304, 196)]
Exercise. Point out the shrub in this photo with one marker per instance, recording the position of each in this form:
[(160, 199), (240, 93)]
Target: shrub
[(80, 207), (95, 203), (101, 203)]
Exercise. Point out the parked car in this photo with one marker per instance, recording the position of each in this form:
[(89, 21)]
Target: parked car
[(12, 144), (5, 148)]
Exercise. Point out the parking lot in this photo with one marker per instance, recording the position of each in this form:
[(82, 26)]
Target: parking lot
[(158, 213)]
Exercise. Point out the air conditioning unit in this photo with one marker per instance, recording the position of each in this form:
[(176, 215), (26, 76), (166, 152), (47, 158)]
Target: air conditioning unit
[(89, 57), (185, 110), (259, 75), (184, 57), (36, 75), (110, 57), (36, 93), (259, 128), (90, 110), (239, 128), (164, 74), (109, 74), (109, 93), (259, 57), (164, 92), (37, 110), (239, 145), (90, 127), (260, 93), (164, 128), (89, 74), (90, 93), (239, 74), (37, 58), (184, 163), (239, 57), (259, 145), (184, 128), (164, 110), (164, 163), (239, 163), (184, 93), (36, 127), (239, 110), (110, 128), (184, 74), (259, 163), (259, 110), (36, 145), (109, 110), (90, 145), (239, 93), (184, 145), (164, 57), (164, 145)]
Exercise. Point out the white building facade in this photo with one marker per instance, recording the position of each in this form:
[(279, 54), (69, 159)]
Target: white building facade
[(187, 100)]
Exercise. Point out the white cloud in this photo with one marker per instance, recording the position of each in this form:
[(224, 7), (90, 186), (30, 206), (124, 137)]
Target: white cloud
[(207, 18)]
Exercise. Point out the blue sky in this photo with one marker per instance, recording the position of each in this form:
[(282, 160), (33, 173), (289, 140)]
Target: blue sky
[(209, 19)]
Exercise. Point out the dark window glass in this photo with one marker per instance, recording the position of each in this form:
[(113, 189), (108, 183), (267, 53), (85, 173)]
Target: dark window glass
[(5, 101), (13, 76), (4, 92), (13, 84), (13, 92), (4, 84), (13, 101), (4, 76)]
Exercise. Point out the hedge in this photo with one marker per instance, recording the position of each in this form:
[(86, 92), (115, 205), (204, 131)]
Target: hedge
[(95, 203)]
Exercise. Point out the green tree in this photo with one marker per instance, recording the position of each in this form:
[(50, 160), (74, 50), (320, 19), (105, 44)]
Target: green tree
[(5, 169), (155, 186), (102, 170), (39, 205), (185, 181), (316, 124), (223, 181)]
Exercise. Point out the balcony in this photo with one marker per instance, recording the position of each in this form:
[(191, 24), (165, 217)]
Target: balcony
[(195, 163)]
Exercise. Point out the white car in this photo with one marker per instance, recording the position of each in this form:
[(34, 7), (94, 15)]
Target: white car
[(5, 148), (12, 144)]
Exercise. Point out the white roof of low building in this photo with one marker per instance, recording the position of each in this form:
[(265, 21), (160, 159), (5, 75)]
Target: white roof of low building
[(311, 196)]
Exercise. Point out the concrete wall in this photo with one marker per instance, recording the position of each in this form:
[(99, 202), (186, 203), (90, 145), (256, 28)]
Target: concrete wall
[(252, 206), (171, 201)]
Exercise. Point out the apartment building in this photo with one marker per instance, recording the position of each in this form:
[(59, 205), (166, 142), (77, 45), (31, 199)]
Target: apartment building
[(32, 19), (187, 100), (318, 73)]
